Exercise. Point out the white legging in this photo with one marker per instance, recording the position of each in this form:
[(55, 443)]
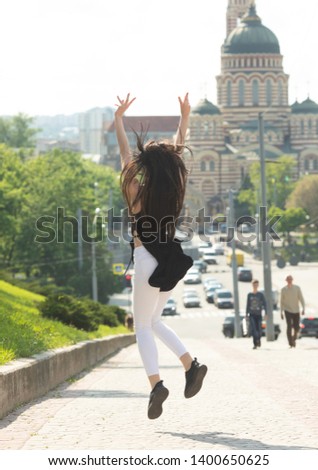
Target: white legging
[(148, 303)]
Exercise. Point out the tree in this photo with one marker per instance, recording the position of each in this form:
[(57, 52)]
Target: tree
[(305, 195), (290, 219), (17, 132), (279, 184), (11, 200), (44, 237)]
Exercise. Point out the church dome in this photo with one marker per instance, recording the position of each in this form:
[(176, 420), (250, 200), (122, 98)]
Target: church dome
[(205, 107), (306, 107), (251, 36)]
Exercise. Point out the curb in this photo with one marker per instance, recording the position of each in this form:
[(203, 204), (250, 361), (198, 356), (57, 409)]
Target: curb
[(23, 380)]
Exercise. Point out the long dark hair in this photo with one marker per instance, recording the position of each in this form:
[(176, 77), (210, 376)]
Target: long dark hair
[(163, 181)]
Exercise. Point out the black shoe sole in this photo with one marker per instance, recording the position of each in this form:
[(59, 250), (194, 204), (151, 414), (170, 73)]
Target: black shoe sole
[(194, 388), (155, 407)]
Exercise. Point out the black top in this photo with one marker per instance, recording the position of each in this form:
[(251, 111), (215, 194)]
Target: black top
[(172, 262)]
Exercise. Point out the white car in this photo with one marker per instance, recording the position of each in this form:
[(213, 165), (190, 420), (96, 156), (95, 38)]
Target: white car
[(223, 298), (192, 300), (193, 276), (209, 257)]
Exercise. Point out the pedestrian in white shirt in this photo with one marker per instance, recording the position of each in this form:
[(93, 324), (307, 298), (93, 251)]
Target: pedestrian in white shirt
[(291, 298)]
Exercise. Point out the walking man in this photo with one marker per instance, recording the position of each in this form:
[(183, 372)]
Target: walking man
[(255, 304), (290, 298)]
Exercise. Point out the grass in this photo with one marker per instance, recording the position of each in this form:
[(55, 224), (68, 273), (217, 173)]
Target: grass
[(24, 332)]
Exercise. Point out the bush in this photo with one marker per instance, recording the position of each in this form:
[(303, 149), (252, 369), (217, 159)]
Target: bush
[(69, 310), (102, 313), (84, 314)]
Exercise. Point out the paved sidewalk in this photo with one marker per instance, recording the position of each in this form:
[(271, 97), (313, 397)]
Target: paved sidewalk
[(263, 399)]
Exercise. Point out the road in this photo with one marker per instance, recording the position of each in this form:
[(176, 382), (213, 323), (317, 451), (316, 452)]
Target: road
[(262, 399)]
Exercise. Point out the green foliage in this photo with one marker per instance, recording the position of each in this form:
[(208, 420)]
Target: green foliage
[(83, 314), (25, 332), (305, 196), (39, 240), (279, 184), (17, 132)]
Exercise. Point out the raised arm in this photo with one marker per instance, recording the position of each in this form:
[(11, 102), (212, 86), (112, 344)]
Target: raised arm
[(124, 149), (184, 119)]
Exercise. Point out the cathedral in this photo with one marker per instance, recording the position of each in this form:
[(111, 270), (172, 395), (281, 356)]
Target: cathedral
[(224, 137)]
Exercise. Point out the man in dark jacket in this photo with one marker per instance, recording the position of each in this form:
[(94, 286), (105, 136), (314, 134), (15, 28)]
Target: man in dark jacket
[(255, 304)]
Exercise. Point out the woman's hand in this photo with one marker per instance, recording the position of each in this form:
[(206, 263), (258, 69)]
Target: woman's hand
[(123, 105), (185, 107), (124, 149)]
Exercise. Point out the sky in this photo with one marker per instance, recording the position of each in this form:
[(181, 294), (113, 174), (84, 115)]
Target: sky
[(68, 56)]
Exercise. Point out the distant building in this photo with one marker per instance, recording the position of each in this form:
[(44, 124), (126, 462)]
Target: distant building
[(224, 138), (156, 128), (91, 129)]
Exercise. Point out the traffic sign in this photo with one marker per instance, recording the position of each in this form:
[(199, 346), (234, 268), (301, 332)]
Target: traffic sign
[(118, 269)]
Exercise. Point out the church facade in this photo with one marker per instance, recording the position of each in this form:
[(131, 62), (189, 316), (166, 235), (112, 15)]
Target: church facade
[(252, 80), (224, 137)]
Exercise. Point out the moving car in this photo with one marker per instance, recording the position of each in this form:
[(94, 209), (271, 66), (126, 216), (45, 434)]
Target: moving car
[(308, 327), (209, 293), (218, 249), (201, 265), (244, 274), (208, 281), (223, 298), (193, 276), (239, 258), (209, 257), (170, 307), (191, 300)]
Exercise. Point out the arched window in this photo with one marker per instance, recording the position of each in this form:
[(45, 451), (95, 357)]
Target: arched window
[(202, 165), (229, 93), (255, 92), (269, 92), (241, 93), (280, 93), (310, 126), (211, 165), (302, 127)]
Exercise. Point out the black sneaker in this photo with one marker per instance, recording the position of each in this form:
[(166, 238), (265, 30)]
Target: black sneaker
[(157, 396), (194, 378)]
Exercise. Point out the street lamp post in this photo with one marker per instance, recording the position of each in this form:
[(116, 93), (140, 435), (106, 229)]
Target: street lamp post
[(266, 247), (94, 271), (237, 323)]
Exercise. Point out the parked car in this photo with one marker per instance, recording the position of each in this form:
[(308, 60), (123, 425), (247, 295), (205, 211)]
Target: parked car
[(201, 265), (228, 327), (193, 276), (244, 274), (223, 298), (308, 327), (191, 300), (275, 297), (170, 307), (209, 293)]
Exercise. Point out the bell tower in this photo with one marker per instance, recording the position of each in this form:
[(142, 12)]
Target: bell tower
[(236, 9)]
